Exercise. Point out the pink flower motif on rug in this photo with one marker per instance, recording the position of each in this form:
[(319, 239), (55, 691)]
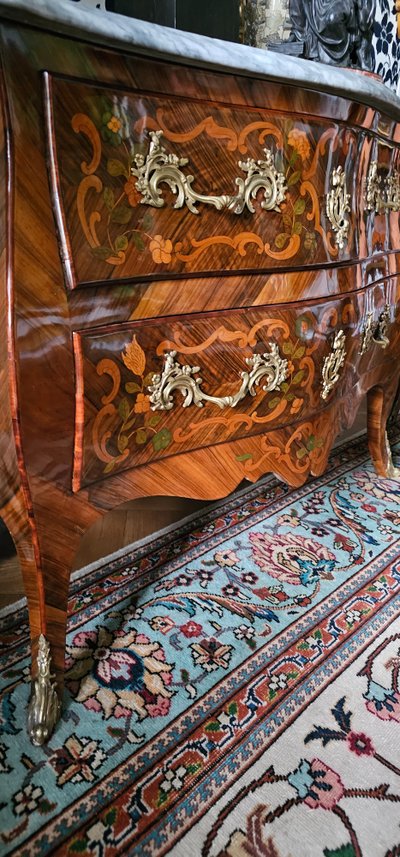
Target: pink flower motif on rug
[(292, 559), (317, 784), (119, 674), (384, 703)]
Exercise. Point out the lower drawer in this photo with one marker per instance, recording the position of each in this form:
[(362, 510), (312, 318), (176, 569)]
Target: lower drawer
[(155, 388)]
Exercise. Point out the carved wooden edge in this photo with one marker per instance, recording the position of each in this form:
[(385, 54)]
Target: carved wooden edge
[(79, 413), (15, 499), (54, 185)]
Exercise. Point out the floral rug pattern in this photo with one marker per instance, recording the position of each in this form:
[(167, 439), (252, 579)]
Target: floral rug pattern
[(247, 663)]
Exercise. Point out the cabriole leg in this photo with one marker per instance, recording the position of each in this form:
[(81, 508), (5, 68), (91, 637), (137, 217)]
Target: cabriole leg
[(377, 415)]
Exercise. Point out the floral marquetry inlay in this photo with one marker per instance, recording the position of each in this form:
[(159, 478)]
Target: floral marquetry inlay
[(142, 178), (248, 381)]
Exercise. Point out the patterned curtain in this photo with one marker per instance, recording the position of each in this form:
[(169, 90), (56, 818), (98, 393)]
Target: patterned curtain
[(386, 43)]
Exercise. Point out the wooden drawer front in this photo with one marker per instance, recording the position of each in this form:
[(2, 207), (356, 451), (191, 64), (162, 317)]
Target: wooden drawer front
[(207, 173), (379, 327), (116, 425)]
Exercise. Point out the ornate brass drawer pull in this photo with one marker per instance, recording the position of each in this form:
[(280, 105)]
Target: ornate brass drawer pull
[(332, 364), (382, 195), (376, 333), (337, 204), (174, 376), (160, 168)]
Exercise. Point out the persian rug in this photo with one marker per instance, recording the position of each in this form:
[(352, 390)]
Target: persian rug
[(232, 686)]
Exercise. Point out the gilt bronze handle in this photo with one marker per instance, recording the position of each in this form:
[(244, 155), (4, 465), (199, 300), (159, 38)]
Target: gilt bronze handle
[(159, 167), (332, 364), (376, 333), (270, 366)]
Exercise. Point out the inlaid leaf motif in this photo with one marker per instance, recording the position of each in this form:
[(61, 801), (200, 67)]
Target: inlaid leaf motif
[(138, 241), (281, 239), (134, 357), (132, 387), (122, 443), (121, 242), (123, 409), (116, 167), (162, 439), (108, 196), (299, 206), (101, 252), (121, 214), (294, 178)]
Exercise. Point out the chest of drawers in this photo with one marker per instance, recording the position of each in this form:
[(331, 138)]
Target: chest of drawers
[(200, 281)]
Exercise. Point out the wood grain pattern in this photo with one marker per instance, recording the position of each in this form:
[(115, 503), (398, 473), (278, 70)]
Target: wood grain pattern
[(211, 300)]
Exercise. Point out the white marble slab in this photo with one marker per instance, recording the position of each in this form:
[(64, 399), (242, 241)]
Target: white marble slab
[(64, 16)]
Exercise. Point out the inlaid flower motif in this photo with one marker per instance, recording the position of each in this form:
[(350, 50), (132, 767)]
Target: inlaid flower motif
[(77, 760), (134, 357), (211, 654), (161, 249), (298, 140), (114, 124), (134, 196), (142, 404), (292, 559), (111, 128), (296, 405), (316, 784), (119, 674)]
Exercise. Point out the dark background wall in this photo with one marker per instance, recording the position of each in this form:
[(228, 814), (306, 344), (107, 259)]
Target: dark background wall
[(218, 18)]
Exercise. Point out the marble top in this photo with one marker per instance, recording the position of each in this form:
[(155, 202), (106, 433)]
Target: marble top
[(66, 17)]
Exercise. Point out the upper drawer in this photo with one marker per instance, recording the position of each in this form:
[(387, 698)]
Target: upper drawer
[(147, 185)]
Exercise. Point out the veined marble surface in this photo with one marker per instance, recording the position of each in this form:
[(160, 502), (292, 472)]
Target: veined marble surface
[(66, 17)]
